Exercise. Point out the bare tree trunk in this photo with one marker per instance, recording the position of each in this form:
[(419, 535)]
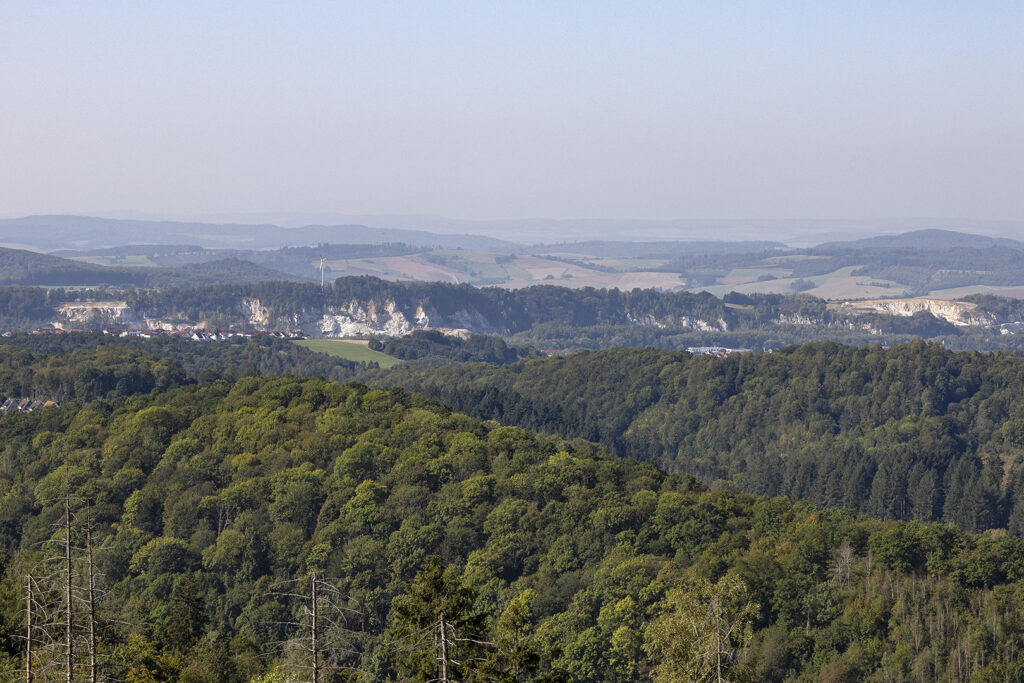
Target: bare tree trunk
[(444, 650), (28, 632), (70, 650), (92, 602), (313, 631)]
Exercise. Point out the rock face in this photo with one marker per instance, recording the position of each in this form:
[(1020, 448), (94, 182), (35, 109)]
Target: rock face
[(95, 314), (257, 313), (684, 321), (355, 319), (362, 317), (961, 313), (358, 318)]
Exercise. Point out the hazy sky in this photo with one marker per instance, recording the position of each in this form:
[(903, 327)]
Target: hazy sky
[(514, 109)]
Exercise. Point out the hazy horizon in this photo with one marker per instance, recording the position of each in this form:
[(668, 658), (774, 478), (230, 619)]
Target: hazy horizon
[(535, 231), (856, 111)]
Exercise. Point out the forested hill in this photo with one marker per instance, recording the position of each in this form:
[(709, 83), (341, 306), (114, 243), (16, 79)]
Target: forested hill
[(27, 268), (545, 317), (930, 239), (912, 432), (215, 509), (226, 359)]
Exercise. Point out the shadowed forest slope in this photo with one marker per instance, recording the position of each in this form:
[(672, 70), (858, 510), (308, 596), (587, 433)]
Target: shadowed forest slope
[(911, 432)]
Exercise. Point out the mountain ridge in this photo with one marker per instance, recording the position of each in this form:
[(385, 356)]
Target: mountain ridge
[(90, 232), (929, 238)]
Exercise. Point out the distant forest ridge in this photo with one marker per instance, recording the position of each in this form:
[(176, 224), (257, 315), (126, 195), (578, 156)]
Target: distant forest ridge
[(912, 432), (223, 516), (929, 262), (88, 232)]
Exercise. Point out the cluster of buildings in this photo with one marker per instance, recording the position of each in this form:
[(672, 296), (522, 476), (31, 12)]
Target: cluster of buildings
[(206, 335), (716, 351), (25, 405), (194, 335)]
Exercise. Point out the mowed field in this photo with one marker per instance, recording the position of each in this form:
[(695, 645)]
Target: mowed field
[(566, 269), (839, 284), (349, 349), (394, 268), (1013, 292), (504, 270)]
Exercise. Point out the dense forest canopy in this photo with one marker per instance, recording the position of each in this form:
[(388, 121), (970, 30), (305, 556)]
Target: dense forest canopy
[(27, 268), (226, 359), (434, 345), (911, 432), (214, 509)]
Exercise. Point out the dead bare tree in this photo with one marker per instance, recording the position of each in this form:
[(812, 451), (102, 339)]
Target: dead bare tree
[(69, 614), (63, 600), (28, 629), (321, 629), (44, 653), (90, 598)]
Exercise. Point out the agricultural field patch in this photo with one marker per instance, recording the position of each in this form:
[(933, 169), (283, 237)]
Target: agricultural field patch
[(396, 268), (839, 284), (350, 349), (792, 258), (1012, 291), (742, 275), (118, 261), (506, 270), (627, 264)]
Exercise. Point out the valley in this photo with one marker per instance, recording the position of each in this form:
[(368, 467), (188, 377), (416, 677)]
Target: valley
[(522, 445)]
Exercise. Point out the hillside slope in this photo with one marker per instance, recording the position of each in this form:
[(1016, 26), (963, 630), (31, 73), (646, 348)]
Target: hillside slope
[(928, 239), (28, 268), (912, 432), (90, 232), (214, 509)]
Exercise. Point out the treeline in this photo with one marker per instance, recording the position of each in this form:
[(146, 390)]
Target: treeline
[(436, 545), (921, 269), (912, 432), (23, 308), (544, 314), (935, 264), (544, 317), (303, 262), (201, 361), (900, 331), (84, 374), (27, 268), (507, 310), (435, 345)]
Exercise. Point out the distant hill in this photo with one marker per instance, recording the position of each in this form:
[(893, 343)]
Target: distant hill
[(229, 271), (23, 267), (301, 262), (927, 262), (88, 232), (927, 239), (623, 249)]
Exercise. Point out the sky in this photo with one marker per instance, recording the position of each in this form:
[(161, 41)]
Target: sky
[(480, 110)]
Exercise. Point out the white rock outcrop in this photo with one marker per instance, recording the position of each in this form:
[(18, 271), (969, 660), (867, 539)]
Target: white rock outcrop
[(354, 319), (960, 313), (102, 313), (257, 313)]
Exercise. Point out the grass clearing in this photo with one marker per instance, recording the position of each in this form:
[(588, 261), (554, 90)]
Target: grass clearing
[(838, 285), (354, 350)]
